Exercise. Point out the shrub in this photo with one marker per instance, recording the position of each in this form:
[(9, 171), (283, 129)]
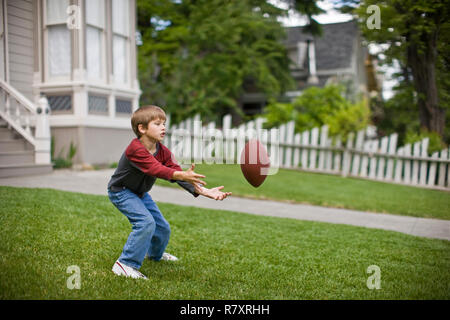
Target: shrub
[(319, 106), (435, 141)]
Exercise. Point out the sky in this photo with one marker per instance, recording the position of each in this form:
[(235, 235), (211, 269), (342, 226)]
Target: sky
[(333, 16)]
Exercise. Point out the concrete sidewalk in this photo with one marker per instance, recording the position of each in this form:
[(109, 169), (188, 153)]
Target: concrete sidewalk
[(95, 182)]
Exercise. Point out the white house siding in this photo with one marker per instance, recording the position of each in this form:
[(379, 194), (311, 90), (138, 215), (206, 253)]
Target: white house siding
[(20, 45)]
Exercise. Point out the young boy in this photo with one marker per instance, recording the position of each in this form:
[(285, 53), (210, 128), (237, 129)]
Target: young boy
[(144, 160)]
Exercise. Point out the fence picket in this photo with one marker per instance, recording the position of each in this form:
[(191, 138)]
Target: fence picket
[(357, 157), (373, 159), (391, 151), (305, 151), (323, 143), (415, 171), (297, 141), (432, 172), (347, 156), (289, 139), (407, 173), (313, 152), (337, 156), (442, 168), (197, 143), (282, 130), (398, 166), (423, 166), (328, 156), (365, 159), (382, 159)]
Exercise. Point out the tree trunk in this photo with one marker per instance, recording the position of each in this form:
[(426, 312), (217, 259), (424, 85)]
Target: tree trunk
[(423, 66)]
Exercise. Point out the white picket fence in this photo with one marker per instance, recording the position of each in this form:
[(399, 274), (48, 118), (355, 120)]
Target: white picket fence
[(362, 155)]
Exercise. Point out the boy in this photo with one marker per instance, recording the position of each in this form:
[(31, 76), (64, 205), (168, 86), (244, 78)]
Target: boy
[(144, 160)]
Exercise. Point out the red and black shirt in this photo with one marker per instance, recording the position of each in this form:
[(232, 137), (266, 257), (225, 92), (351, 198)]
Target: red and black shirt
[(138, 169)]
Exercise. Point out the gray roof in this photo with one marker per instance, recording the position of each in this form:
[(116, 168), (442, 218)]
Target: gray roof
[(334, 48)]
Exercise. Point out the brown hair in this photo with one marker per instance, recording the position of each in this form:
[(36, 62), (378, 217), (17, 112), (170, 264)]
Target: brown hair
[(144, 115)]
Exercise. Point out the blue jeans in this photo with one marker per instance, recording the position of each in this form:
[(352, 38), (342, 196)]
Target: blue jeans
[(150, 231)]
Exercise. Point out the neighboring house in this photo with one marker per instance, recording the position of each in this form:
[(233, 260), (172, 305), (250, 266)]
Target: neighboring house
[(336, 56), (81, 56)]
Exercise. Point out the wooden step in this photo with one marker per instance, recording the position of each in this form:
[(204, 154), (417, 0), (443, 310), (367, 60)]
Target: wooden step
[(24, 170), (8, 145), (6, 133), (16, 157)]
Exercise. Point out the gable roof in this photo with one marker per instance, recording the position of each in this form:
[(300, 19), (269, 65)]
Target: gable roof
[(334, 48)]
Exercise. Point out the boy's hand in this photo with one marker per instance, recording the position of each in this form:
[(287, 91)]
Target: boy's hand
[(213, 193), (189, 176)]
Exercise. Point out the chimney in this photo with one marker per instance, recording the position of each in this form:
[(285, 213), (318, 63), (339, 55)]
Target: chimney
[(312, 78)]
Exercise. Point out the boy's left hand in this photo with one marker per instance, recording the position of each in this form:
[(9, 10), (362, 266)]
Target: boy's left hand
[(213, 193)]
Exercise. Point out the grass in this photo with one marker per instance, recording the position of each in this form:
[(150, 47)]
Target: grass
[(331, 191), (223, 255)]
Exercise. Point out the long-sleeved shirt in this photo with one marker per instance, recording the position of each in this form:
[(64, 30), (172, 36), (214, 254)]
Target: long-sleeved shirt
[(138, 169)]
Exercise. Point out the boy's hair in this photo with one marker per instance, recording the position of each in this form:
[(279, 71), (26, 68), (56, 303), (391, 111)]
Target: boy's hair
[(144, 115)]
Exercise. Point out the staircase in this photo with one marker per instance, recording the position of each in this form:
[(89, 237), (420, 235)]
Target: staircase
[(24, 135)]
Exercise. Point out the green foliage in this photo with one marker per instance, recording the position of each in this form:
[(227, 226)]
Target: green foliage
[(60, 161), (197, 55), (113, 165), (319, 106), (398, 115), (435, 142)]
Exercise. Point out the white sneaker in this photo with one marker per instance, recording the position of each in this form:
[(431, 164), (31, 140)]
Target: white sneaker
[(121, 269), (168, 257)]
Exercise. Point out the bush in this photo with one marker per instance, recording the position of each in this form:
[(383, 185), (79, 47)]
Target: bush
[(435, 141), (319, 106), (60, 161)]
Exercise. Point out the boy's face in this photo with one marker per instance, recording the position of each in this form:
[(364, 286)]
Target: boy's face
[(156, 130)]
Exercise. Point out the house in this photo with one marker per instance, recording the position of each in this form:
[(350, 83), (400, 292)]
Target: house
[(337, 56), (77, 58)]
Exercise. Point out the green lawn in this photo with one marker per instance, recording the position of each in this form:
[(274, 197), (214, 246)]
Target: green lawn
[(223, 255), (332, 191)]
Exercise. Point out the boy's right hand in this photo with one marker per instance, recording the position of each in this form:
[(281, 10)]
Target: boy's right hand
[(189, 176)]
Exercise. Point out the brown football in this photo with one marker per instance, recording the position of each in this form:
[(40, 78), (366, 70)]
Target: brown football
[(255, 162)]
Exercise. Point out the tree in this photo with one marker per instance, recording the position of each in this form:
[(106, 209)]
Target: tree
[(415, 33), (197, 54)]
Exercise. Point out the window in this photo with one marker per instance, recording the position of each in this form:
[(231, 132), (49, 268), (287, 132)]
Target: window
[(59, 51), (60, 103), (120, 23), (123, 106), (97, 104), (95, 27)]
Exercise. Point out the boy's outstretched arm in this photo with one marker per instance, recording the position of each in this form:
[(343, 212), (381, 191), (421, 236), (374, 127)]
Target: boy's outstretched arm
[(213, 193), (189, 176)]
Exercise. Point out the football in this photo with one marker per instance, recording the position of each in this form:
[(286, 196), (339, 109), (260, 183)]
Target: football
[(255, 162)]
